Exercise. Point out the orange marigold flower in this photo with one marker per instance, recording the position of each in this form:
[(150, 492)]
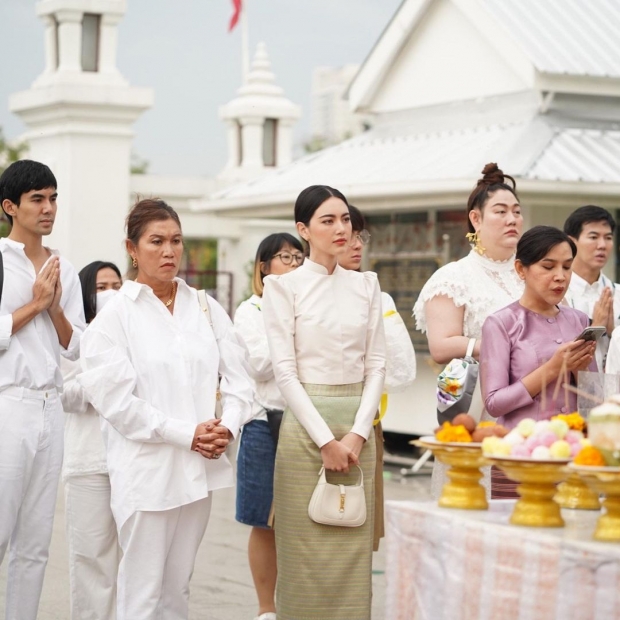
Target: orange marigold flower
[(591, 457), (451, 433), (574, 420)]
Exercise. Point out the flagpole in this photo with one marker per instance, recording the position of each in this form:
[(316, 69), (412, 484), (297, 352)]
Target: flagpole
[(245, 42)]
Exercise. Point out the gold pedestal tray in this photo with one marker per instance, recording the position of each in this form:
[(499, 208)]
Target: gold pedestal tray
[(537, 486), (605, 480), (576, 494), (464, 460)]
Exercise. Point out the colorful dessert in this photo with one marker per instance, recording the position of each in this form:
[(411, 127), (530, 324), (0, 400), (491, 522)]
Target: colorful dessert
[(545, 440)]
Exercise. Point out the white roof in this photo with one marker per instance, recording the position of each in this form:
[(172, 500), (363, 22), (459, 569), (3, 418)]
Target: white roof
[(378, 158), (574, 37)]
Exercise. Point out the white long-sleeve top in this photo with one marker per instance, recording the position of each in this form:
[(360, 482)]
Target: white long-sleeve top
[(326, 329), (152, 376), (84, 448), (400, 367), (250, 325), (30, 358)]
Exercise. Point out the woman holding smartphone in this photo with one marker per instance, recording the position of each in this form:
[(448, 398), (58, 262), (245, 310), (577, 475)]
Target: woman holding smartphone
[(530, 344)]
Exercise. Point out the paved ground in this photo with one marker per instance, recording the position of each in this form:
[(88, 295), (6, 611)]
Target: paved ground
[(222, 586)]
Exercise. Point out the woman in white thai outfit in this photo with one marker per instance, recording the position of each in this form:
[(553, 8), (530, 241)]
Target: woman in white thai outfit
[(325, 332), (277, 254), (400, 366), (459, 296), (91, 532), (151, 362)]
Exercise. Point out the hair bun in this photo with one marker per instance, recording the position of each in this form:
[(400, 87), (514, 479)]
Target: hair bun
[(493, 175)]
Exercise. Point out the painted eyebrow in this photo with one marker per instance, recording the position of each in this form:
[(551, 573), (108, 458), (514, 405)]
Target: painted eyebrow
[(503, 204)]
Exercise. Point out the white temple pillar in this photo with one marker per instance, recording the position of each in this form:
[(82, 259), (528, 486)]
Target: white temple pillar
[(252, 141), (285, 142), (51, 44), (69, 40), (108, 43), (233, 138)]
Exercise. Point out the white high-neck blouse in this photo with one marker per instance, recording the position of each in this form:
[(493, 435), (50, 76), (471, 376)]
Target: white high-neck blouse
[(326, 329)]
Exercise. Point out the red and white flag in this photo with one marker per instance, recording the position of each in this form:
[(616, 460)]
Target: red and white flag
[(235, 16)]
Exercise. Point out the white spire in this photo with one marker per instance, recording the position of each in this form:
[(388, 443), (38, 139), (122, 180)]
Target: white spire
[(260, 121)]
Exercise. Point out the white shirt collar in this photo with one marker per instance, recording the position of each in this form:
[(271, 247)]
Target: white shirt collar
[(19, 247), (316, 268), (132, 289), (583, 285)]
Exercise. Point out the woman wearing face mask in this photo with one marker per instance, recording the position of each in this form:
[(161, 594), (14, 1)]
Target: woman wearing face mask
[(91, 531), (459, 296), (400, 367), (527, 346), (325, 332), (277, 254)]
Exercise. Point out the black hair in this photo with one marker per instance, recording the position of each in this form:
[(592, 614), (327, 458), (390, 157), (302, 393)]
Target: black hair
[(88, 280), (575, 222), (311, 199), (267, 248), (537, 242), (22, 177), (358, 221), (493, 179)]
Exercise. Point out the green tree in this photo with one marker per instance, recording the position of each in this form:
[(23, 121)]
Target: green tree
[(9, 153)]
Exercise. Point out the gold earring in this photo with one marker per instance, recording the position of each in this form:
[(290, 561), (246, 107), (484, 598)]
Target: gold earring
[(134, 263), (474, 239)]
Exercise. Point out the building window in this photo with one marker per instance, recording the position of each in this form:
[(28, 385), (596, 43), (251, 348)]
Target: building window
[(90, 42), (270, 131)]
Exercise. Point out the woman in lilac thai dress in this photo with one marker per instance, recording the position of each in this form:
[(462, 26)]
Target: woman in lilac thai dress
[(529, 344)]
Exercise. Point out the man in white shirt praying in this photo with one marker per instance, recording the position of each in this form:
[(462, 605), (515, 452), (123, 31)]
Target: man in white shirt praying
[(41, 316), (592, 230)]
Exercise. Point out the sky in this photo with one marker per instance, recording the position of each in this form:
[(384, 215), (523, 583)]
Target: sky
[(183, 50)]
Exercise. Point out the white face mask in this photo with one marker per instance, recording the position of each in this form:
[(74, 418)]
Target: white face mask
[(103, 297)]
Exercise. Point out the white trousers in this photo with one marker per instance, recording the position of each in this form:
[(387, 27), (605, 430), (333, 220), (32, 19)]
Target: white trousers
[(31, 444), (94, 553), (159, 551)]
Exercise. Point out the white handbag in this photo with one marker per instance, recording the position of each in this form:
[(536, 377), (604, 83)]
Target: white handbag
[(338, 504)]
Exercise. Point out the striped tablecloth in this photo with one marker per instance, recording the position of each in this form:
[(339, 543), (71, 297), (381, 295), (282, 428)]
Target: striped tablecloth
[(472, 565)]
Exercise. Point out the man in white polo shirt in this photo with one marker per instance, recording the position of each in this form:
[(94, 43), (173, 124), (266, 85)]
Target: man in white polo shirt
[(41, 316), (592, 230)]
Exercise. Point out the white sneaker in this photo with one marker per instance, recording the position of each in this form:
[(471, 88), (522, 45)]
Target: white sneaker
[(270, 615)]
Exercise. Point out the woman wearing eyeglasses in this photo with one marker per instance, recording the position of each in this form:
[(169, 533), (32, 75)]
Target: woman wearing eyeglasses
[(277, 254), (400, 362)]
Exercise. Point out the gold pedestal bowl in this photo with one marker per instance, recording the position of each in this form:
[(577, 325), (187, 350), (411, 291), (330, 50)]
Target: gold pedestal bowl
[(605, 480), (576, 494), (464, 461), (537, 486)]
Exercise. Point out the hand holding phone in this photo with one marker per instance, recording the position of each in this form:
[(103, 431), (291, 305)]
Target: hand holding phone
[(591, 333)]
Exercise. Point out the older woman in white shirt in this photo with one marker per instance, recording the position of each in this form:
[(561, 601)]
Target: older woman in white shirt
[(91, 532), (151, 362), (325, 332), (277, 254)]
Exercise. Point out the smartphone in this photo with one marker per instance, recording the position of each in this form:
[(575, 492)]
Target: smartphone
[(591, 333)]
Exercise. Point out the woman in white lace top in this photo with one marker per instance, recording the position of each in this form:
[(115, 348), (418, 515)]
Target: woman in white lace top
[(459, 296)]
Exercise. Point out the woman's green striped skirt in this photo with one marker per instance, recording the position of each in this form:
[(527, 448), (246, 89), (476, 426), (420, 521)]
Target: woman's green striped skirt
[(324, 571)]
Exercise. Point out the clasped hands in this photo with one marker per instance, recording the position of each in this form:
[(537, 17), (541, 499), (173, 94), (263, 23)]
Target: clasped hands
[(211, 439), (603, 312), (338, 455)]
